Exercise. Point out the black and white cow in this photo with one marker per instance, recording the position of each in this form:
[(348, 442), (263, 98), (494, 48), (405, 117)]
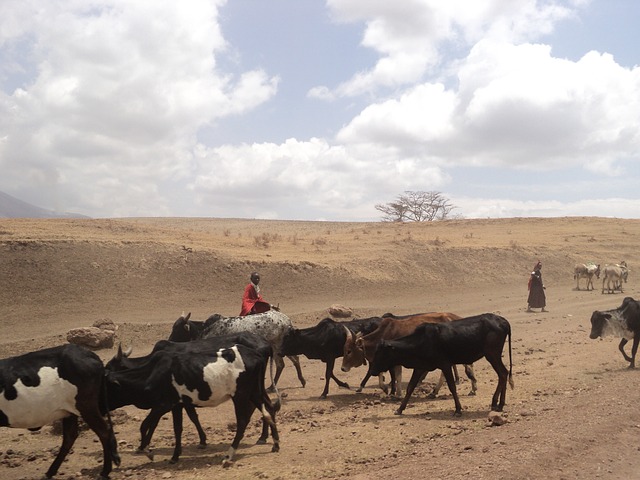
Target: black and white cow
[(325, 341), (197, 377), (271, 325), (442, 345), (624, 322), (58, 383), (123, 361)]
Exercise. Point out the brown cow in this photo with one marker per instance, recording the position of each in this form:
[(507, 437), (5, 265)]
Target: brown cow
[(358, 348)]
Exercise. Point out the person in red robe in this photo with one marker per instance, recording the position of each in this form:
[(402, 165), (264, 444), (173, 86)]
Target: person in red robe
[(252, 301)]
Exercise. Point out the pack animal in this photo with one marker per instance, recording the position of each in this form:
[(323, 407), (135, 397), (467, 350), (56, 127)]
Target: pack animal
[(59, 383), (123, 361), (624, 322), (587, 271), (614, 275), (325, 342), (442, 345), (271, 325), (358, 348), (170, 379)]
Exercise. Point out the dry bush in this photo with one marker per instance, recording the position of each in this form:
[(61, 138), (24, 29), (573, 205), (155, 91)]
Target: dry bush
[(319, 241), (265, 239)]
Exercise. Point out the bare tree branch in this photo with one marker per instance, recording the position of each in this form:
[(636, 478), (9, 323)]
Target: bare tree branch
[(416, 207)]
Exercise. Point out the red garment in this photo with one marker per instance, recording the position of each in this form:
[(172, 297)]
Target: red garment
[(252, 302)]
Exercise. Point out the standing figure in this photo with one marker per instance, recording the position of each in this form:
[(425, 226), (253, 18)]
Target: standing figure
[(537, 297), (252, 301)]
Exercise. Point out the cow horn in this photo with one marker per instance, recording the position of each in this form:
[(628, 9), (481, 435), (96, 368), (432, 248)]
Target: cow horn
[(349, 332)]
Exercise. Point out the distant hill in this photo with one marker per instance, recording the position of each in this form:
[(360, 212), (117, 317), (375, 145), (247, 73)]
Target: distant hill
[(11, 207)]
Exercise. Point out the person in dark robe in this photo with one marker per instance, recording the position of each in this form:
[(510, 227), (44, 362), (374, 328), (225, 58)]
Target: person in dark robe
[(252, 301), (537, 297)]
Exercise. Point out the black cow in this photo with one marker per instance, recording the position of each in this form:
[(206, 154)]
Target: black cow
[(325, 342), (624, 322), (198, 377), (63, 382), (441, 346), (122, 361)]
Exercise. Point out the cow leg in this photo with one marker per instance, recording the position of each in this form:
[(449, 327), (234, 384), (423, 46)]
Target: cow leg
[(455, 375), (279, 367), (499, 396), (148, 426), (634, 349), (451, 383), (268, 421), (176, 413), (365, 380), (193, 416), (243, 408), (415, 378), (623, 342), (436, 389), (396, 379), (96, 422), (69, 435), (328, 375), (468, 370), (296, 363)]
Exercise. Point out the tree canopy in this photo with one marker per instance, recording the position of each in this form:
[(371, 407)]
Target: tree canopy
[(413, 206)]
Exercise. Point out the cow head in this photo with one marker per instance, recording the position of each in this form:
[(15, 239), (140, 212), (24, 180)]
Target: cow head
[(598, 322), (119, 361), (181, 330), (353, 353), (291, 343)]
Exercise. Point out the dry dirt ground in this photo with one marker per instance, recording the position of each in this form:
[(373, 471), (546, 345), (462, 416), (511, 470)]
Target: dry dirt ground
[(573, 413)]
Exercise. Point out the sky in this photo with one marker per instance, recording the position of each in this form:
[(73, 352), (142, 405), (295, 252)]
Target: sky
[(320, 110)]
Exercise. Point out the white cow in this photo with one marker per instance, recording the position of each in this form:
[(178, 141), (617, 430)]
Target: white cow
[(615, 274), (586, 270)]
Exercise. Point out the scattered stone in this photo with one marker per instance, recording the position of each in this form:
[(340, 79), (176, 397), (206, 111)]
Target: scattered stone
[(105, 324), (496, 419), (340, 311), (92, 337)]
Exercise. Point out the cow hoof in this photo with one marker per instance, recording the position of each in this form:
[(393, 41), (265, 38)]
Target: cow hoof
[(359, 390), (398, 412), (275, 448), (173, 461), (148, 453), (457, 413), (472, 394), (226, 463), (432, 395), (261, 441)]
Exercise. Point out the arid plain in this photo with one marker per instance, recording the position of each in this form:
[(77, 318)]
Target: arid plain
[(573, 413)]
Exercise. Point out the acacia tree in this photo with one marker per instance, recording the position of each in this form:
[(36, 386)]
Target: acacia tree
[(416, 207)]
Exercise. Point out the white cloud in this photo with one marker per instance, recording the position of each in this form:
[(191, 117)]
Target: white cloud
[(409, 35), (126, 83), (514, 106)]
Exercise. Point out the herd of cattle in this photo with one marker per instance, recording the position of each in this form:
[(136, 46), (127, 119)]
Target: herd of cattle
[(613, 275), (205, 363)]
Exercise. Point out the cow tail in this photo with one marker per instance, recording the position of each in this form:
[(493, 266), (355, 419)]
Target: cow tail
[(104, 404), (510, 360)]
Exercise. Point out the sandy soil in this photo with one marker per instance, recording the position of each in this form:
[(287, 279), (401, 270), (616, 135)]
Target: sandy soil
[(571, 415)]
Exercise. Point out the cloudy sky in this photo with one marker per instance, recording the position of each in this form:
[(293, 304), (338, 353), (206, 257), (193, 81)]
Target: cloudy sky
[(319, 110)]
